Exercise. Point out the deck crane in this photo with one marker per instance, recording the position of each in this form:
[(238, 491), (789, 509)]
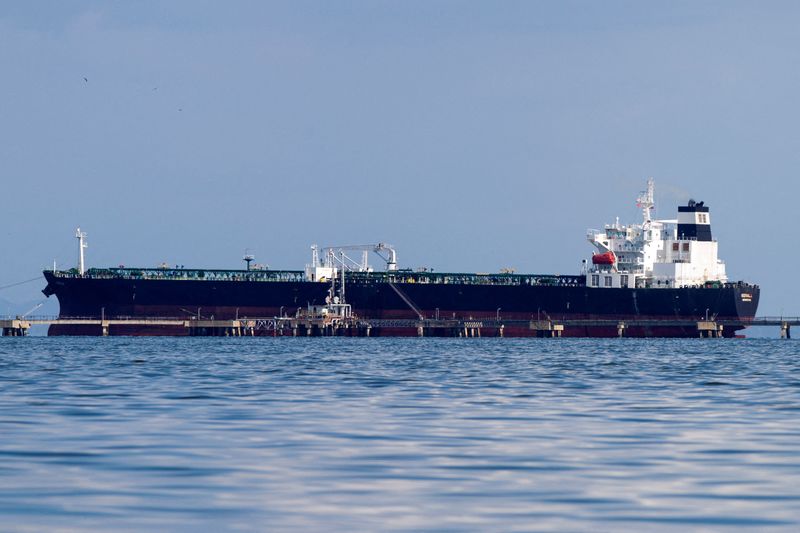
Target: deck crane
[(337, 254)]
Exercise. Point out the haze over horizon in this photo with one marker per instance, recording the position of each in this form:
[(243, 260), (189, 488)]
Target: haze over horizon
[(471, 135)]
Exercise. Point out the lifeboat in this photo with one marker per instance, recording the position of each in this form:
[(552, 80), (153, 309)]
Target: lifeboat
[(607, 258)]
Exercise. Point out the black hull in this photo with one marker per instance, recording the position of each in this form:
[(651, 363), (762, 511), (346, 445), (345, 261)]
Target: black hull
[(229, 299)]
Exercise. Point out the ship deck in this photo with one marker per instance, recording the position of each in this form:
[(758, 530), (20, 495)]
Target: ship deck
[(366, 278), (397, 276)]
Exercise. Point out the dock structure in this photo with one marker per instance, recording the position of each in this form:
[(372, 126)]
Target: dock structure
[(351, 326), (19, 327), (709, 328), (15, 327), (547, 328)]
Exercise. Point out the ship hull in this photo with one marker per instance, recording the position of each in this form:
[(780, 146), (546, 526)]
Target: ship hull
[(517, 305)]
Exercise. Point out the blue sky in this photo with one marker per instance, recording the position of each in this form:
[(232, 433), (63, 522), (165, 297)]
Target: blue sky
[(471, 135)]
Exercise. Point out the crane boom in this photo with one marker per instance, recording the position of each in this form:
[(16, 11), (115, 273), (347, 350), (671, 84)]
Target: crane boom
[(385, 251)]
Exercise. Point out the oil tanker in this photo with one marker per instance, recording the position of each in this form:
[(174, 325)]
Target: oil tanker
[(658, 271)]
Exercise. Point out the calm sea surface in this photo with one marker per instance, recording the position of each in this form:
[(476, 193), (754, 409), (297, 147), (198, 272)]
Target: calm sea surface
[(399, 434)]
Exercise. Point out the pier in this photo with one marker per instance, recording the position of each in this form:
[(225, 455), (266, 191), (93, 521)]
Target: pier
[(358, 327)]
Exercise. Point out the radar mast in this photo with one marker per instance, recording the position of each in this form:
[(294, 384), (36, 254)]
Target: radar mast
[(248, 257), (646, 201)]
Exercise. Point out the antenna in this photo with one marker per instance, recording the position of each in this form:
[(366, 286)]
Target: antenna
[(80, 235), (646, 200)]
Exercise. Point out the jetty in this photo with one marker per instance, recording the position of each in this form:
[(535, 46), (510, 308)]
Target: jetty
[(335, 325)]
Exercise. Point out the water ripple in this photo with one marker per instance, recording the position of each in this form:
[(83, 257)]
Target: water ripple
[(399, 434)]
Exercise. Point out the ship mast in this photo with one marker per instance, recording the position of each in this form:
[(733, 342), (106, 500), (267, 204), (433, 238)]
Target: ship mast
[(248, 258), (80, 235), (646, 201)]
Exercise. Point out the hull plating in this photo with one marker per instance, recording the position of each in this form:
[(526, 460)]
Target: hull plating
[(119, 297)]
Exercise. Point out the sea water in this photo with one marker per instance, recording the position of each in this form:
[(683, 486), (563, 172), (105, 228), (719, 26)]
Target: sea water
[(337, 434)]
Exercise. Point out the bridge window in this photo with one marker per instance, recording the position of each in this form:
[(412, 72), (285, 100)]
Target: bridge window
[(595, 280), (623, 280), (608, 281)]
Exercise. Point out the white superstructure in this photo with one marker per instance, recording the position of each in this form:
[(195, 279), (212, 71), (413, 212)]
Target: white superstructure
[(656, 253)]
